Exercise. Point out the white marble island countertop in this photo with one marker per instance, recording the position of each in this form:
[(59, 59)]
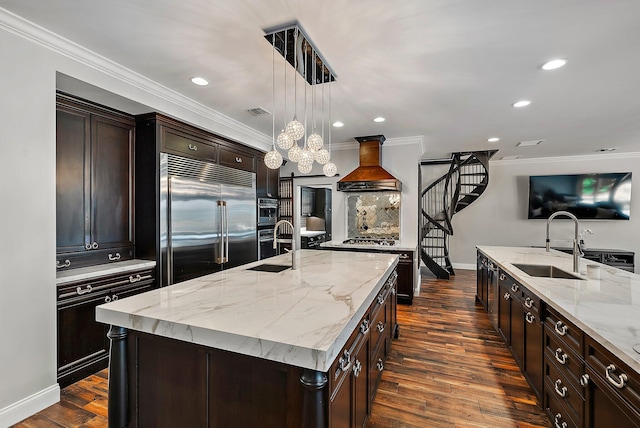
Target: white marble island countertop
[(607, 309), (300, 317), (398, 246)]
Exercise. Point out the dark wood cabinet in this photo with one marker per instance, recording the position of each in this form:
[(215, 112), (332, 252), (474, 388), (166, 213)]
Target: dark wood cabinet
[(83, 347), (267, 180), (405, 277), (482, 281), (94, 183)]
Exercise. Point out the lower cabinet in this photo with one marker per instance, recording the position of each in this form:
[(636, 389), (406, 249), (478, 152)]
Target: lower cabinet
[(83, 346)]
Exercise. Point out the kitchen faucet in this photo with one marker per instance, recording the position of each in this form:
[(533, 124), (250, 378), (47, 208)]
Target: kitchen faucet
[(286, 241), (577, 251)]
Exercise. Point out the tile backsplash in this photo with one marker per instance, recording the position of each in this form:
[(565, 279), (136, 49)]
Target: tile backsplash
[(373, 215)]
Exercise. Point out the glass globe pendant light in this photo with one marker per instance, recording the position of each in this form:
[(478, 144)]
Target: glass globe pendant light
[(294, 153), (273, 158), (329, 169), (321, 156)]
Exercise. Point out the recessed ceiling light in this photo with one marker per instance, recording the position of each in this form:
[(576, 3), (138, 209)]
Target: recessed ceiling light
[(379, 119), (510, 157), (338, 124), (521, 103), (493, 139), (529, 143), (200, 81), (554, 64)]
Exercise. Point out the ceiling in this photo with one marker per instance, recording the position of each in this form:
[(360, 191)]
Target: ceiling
[(446, 70)]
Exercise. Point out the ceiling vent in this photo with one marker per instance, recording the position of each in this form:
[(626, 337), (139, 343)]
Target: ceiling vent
[(529, 143), (258, 111)]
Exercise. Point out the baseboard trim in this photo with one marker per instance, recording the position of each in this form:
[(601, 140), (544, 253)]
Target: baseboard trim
[(29, 406), (464, 266)]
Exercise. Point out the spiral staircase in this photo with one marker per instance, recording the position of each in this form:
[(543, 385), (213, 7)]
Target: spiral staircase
[(464, 182)]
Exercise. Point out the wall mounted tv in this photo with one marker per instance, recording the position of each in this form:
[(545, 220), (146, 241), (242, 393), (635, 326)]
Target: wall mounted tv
[(587, 196)]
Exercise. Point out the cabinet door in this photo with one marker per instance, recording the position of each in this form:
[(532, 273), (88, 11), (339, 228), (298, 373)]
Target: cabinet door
[(517, 330), (481, 281), (112, 182), (82, 341), (266, 180), (341, 409), (405, 278), (534, 352), (72, 179), (605, 408), (360, 385), (504, 314)]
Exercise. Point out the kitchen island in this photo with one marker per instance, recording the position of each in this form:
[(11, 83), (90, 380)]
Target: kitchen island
[(246, 347)]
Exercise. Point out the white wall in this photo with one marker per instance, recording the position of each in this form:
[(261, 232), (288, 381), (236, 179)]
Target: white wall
[(499, 216), (31, 57)]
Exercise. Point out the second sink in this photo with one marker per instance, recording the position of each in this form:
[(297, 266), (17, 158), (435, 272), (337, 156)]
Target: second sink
[(546, 271), (266, 267)]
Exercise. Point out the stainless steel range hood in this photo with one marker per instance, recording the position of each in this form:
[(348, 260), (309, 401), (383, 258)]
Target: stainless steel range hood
[(369, 176)]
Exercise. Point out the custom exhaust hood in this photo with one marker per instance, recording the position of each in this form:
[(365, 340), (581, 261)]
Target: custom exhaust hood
[(369, 176)]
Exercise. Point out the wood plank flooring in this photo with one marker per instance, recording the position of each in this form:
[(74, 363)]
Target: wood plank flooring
[(449, 368)]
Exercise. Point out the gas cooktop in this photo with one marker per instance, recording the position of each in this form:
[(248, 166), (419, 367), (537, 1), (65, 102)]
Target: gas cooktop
[(370, 241)]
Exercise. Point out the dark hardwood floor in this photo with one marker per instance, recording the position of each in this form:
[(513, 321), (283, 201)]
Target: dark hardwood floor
[(449, 368)]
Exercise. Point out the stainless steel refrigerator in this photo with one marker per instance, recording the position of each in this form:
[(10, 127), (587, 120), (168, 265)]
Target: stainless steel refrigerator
[(207, 218)]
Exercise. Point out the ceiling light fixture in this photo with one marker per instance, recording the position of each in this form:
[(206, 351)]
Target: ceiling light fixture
[(554, 64), (379, 119), (338, 124), (200, 81), (521, 103), (297, 49), (493, 139)]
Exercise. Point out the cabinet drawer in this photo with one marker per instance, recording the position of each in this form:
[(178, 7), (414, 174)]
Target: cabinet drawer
[(68, 261), (86, 289), (530, 301), (182, 143), (513, 286), (568, 334), (558, 413), (376, 365), (379, 324), (564, 358), (237, 159), (566, 392), (341, 367), (621, 379)]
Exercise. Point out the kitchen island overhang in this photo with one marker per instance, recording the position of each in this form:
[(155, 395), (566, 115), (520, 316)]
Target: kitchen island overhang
[(288, 325)]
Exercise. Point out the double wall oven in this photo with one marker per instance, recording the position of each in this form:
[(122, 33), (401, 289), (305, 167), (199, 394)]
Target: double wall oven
[(267, 218)]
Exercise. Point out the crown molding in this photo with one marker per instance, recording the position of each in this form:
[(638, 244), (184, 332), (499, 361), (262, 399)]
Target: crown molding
[(576, 158), (403, 141), (36, 34)]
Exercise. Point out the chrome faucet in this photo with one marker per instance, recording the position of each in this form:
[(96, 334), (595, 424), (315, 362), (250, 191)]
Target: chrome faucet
[(577, 251), (292, 241)]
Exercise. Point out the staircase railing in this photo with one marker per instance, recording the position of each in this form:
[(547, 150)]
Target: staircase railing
[(464, 182)]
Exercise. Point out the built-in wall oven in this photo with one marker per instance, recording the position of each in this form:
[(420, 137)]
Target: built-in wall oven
[(265, 244), (267, 211)]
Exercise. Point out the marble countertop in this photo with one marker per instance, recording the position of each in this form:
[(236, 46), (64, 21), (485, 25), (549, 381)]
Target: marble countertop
[(311, 233), (607, 309), (80, 274), (399, 246), (300, 317)]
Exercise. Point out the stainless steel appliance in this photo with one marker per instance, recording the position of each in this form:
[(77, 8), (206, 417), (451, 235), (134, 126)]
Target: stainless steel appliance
[(207, 218), (265, 244), (267, 211)]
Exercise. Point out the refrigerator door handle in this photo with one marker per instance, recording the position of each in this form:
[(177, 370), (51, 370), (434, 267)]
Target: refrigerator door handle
[(169, 235), (226, 232), (220, 258)]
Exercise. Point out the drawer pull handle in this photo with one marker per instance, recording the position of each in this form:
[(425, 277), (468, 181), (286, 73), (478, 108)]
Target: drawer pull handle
[(238, 159), (507, 296), (621, 380), (502, 277), (584, 380), (193, 147), (380, 326), (380, 299), (115, 297), (561, 356), (515, 288), (380, 365), (357, 368), (114, 258), (345, 361), (556, 420), (94, 245), (107, 299), (561, 328), (80, 291), (404, 256), (562, 392), (393, 291), (66, 263), (528, 302), (364, 327), (530, 317), (134, 279)]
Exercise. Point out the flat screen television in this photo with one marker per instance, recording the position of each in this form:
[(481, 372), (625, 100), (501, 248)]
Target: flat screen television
[(587, 196)]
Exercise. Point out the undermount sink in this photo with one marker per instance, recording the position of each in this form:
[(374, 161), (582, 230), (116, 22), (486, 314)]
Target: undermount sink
[(266, 267), (546, 271)]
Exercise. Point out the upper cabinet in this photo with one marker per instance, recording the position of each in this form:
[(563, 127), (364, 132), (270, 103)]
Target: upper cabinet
[(267, 180), (94, 183)]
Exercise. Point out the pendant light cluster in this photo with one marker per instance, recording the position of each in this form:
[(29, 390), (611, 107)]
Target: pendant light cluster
[(294, 45)]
